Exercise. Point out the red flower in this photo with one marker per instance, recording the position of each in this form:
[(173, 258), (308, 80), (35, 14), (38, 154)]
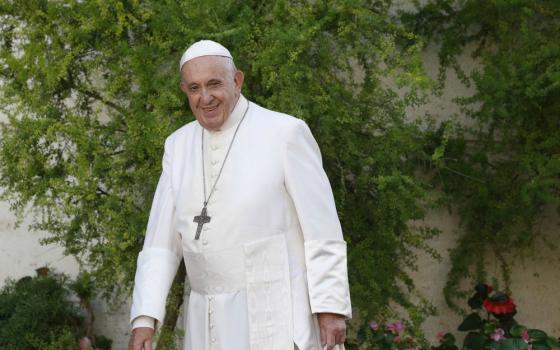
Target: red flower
[(502, 306)]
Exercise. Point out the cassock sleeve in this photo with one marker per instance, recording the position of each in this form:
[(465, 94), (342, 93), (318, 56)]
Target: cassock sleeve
[(325, 249), (160, 257)]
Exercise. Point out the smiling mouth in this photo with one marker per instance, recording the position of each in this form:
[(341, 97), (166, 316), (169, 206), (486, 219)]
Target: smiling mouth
[(210, 109)]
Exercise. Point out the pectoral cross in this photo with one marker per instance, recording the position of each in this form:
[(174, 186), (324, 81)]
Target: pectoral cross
[(201, 219)]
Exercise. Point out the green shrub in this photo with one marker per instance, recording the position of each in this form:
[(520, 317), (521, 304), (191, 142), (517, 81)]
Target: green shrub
[(62, 340), (33, 311), (42, 313)]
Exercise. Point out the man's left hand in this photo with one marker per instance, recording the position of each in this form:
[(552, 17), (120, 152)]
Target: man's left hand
[(333, 329)]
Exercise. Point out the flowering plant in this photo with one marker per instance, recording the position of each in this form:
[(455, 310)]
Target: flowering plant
[(392, 336), (498, 330)]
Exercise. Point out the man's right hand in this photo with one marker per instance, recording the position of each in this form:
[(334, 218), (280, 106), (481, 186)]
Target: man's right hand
[(141, 338)]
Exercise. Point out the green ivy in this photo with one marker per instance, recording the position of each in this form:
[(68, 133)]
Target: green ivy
[(499, 163)]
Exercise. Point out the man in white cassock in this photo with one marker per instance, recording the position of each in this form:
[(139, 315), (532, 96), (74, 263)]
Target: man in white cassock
[(243, 198)]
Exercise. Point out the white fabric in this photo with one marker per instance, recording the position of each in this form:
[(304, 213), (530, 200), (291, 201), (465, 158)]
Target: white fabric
[(272, 184), (326, 262), (144, 321), (269, 301), (258, 273), (204, 48)]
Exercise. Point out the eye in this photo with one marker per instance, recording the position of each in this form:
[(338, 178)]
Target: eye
[(214, 84), (193, 89)]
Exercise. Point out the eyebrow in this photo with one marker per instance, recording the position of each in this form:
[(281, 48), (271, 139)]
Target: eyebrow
[(211, 81)]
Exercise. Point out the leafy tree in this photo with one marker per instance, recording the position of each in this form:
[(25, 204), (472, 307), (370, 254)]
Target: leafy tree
[(501, 168), (91, 91)]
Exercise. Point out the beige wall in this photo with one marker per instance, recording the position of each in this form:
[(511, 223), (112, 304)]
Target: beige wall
[(21, 254), (534, 286)]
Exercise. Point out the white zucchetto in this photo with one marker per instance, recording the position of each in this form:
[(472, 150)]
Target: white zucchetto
[(204, 48)]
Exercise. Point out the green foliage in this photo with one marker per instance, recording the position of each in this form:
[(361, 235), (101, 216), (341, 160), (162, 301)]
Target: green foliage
[(496, 329), (500, 162), (35, 312), (64, 340), (390, 336), (40, 313), (91, 91)]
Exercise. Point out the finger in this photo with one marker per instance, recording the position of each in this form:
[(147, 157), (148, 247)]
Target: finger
[(340, 340), (340, 337), (134, 343), (148, 345), (330, 341)]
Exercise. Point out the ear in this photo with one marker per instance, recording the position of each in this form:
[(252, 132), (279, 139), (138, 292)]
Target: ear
[(238, 80), (183, 86)]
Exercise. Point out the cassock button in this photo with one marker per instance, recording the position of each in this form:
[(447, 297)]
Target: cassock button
[(213, 340), (214, 147), (205, 241)]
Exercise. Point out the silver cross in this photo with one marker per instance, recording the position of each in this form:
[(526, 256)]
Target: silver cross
[(201, 219)]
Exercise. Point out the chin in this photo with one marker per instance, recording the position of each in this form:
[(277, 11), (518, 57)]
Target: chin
[(213, 124)]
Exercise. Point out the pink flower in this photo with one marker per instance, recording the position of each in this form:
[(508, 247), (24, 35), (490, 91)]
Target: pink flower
[(85, 343), (395, 327), (397, 339), (373, 325), (440, 335), (498, 335), (525, 336)]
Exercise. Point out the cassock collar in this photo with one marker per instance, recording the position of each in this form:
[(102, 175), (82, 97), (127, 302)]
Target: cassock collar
[(236, 115)]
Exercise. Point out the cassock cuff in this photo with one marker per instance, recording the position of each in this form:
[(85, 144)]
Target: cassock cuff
[(327, 277), (143, 321), (155, 271)]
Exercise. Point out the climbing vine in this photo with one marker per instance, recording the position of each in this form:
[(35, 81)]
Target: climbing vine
[(498, 162)]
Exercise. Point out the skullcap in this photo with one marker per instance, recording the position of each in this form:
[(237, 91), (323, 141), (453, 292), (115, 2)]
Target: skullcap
[(204, 48)]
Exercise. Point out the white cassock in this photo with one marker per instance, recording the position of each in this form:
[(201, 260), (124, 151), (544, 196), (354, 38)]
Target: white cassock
[(272, 255)]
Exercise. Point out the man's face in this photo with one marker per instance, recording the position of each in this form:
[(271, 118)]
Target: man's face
[(212, 88)]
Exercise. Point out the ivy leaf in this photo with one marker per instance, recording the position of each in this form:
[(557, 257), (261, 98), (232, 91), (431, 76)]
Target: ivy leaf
[(514, 344), (553, 342), (541, 346), (517, 330), (474, 341), (538, 335), (448, 339), (475, 302), (495, 346), (471, 322)]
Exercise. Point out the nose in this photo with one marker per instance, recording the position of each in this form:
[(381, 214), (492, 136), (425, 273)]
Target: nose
[(206, 96)]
